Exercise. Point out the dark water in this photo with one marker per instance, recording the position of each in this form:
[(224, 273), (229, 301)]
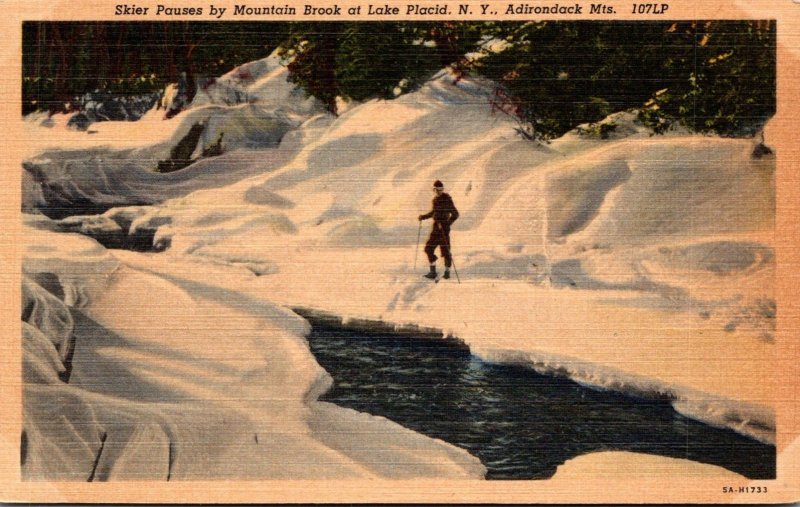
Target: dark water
[(520, 424)]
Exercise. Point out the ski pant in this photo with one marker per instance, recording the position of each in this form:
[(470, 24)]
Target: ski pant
[(440, 236)]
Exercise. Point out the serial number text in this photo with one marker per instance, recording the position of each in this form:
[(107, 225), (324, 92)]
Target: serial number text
[(744, 489)]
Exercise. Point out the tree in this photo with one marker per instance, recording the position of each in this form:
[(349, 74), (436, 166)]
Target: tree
[(710, 76), (311, 54), (365, 60), (728, 82)]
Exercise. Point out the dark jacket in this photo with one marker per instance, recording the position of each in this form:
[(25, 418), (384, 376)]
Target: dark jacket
[(444, 212)]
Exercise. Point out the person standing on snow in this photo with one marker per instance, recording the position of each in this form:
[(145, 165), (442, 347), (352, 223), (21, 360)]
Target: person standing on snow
[(444, 213)]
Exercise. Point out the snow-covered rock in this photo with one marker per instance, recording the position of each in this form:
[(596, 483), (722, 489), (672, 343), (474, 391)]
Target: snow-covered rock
[(102, 106), (261, 82)]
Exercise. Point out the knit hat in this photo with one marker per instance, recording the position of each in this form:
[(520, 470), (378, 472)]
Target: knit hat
[(438, 184)]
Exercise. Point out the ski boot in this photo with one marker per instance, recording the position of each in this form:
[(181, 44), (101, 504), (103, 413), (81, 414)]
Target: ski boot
[(431, 274)]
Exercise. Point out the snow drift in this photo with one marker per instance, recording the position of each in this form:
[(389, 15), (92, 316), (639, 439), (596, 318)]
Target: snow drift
[(635, 263), (114, 165), (116, 393)]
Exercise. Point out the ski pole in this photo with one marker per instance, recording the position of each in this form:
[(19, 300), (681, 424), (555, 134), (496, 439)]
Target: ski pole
[(416, 250)]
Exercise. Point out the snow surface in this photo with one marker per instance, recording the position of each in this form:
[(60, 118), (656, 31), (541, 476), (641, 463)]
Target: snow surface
[(635, 263)]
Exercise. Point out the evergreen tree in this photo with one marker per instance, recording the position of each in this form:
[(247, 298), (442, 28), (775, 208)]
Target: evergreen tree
[(367, 60), (311, 51), (63, 60), (710, 76)]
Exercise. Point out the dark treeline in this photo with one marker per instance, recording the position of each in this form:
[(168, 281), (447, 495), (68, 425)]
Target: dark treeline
[(715, 76), (65, 59)]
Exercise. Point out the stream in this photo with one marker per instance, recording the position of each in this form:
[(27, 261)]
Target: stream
[(520, 424)]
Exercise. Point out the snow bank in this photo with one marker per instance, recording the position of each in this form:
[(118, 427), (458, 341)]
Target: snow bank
[(114, 163), (64, 182), (637, 466), (635, 263), (159, 395)]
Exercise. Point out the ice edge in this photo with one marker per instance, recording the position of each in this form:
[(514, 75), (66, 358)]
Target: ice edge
[(748, 419)]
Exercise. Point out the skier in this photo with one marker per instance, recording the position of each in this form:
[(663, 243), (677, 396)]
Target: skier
[(444, 213)]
